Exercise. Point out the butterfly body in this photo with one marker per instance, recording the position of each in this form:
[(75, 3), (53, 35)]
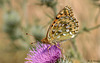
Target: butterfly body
[(64, 27)]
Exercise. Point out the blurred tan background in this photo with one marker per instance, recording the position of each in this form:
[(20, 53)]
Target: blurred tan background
[(87, 13)]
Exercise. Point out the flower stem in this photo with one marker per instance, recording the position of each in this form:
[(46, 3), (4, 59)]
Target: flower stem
[(89, 29)]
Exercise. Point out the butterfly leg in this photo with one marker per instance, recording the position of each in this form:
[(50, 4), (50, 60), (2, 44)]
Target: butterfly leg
[(49, 47), (61, 52)]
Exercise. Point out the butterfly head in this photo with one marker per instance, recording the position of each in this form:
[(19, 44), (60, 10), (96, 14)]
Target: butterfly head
[(45, 41)]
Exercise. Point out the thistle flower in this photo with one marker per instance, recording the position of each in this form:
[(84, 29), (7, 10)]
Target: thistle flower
[(43, 55)]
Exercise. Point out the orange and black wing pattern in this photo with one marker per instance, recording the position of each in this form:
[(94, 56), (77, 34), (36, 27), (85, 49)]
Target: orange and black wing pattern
[(64, 27)]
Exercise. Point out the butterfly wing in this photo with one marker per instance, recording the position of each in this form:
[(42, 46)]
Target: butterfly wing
[(64, 27)]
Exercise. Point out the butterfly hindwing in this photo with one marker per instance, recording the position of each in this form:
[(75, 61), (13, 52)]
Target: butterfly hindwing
[(64, 27)]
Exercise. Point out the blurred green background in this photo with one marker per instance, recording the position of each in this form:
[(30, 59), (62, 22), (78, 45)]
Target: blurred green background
[(18, 17)]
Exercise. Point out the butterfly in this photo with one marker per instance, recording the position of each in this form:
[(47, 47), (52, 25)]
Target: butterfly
[(64, 27)]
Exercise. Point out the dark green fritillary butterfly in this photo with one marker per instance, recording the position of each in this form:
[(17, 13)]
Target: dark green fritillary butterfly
[(64, 27)]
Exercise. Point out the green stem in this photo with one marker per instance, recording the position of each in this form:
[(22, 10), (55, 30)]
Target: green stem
[(12, 42), (89, 29), (97, 16), (54, 10), (76, 51)]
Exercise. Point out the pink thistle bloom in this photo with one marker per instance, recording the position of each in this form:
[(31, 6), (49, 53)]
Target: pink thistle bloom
[(44, 55)]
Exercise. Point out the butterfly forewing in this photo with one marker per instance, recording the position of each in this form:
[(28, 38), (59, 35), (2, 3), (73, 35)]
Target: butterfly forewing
[(64, 27)]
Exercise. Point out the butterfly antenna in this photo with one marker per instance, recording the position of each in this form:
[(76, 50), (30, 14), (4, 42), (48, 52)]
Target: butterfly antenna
[(32, 36), (32, 42), (29, 34)]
